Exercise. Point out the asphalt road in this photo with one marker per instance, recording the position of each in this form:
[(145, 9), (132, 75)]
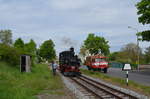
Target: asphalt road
[(141, 77)]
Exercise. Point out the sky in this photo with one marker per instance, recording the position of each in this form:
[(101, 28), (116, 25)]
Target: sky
[(68, 22)]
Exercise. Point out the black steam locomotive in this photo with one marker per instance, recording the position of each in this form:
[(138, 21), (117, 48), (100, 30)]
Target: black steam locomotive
[(69, 63)]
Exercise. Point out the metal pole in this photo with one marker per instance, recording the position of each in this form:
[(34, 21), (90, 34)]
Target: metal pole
[(138, 61), (138, 57), (127, 80)]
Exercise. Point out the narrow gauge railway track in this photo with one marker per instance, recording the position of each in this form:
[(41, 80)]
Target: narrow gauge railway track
[(100, 90)]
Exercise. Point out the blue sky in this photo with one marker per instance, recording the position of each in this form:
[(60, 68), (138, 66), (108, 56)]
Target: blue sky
[(68, 22)]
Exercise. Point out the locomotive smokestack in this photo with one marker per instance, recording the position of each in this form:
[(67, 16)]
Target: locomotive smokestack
[(72, 49)]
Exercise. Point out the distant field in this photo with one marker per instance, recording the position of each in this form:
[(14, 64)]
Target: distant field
[(16, 85), (118, 81)]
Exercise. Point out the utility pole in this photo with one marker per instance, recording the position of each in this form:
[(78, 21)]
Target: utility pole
[(138, 52)]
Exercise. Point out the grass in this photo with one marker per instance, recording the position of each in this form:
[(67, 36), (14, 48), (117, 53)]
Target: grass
[(16, 85), (120, 82)]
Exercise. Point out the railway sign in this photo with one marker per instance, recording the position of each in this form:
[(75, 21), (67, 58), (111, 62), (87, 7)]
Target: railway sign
[(127, 67)]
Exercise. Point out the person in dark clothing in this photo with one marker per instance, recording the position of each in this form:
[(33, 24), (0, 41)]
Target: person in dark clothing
[(54, 67)]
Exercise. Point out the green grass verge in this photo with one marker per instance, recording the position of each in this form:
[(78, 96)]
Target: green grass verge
[(16, 85), (118, 81)]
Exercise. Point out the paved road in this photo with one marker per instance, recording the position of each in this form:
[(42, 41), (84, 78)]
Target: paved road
[(142, 77)]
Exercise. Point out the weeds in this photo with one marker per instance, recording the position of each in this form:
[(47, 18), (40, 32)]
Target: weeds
[(16, 85)]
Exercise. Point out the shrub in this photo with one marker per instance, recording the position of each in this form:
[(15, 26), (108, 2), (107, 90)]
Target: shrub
[(9, 54)]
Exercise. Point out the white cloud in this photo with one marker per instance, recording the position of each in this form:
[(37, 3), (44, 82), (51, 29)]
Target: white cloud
[(73, 19), (67, 4)]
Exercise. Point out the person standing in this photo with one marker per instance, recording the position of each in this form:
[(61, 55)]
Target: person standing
[(54, 67)]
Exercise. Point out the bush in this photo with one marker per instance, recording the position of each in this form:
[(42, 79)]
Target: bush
[(9, 54)]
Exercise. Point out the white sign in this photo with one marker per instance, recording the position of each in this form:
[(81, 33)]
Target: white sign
[(127, 67)]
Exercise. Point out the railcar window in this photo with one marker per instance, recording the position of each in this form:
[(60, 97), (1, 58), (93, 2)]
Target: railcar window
[(93, 60), (99, 59)]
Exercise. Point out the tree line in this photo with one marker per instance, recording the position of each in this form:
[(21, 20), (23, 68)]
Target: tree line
[(10, 51)]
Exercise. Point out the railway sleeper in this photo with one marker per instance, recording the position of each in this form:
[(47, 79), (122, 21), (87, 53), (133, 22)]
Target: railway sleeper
[(107, 97), (88, 89), (101, 93)]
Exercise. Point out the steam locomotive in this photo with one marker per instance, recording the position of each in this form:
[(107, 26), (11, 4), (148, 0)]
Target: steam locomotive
[(69, 63)]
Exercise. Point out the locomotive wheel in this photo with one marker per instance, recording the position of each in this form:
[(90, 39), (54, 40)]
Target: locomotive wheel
[(105, 70), (99, 69), (94, 69), (89, 68), (62, 72)]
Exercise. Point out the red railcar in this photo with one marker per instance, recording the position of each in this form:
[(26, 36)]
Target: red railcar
[(97, 63)]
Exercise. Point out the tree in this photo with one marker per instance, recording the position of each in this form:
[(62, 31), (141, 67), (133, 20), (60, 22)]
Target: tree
[(9, 54), (47, 50), (6, 37), (147, 55), (145, 35), (132, 51), (128, 54), (113, 56), (19, 44), (30, 47), (144, 10), (96, 44), (144, 18)]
